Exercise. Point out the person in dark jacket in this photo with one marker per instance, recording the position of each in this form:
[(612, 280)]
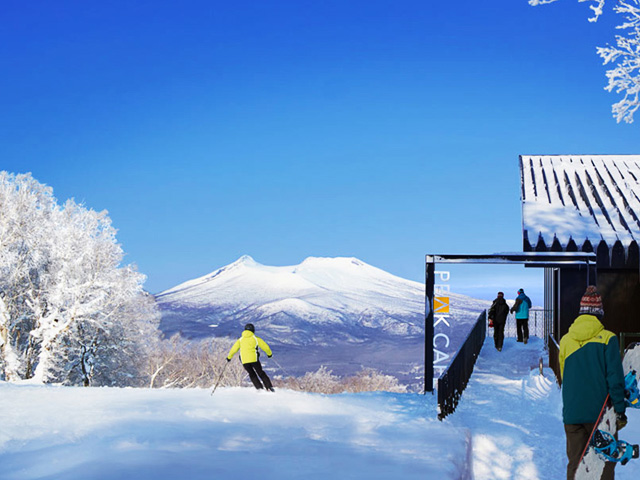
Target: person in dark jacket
[(498, 316), (521, 309), (591, 369), (248, 344)]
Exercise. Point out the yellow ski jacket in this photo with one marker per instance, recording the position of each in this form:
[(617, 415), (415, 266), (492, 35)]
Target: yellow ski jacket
[(248, 345)]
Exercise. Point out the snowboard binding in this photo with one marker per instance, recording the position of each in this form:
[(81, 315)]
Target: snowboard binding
[(612, 450), (631, 392)]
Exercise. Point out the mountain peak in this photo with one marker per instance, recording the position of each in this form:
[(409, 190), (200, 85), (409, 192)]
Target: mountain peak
[(245, 260)]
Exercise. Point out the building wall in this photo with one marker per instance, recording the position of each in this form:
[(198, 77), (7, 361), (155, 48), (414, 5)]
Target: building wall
[(573, 283), (620, 291)]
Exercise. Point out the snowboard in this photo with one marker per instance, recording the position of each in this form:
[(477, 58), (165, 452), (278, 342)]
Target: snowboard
[(603, 446)]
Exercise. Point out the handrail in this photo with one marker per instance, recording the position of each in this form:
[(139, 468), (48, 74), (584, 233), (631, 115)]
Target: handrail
[(455, 378), (540, 325)]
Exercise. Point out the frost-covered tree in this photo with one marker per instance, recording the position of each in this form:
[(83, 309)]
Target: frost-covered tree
[(180, 363), (69, 312), (324, 381), (26, 210), (370, 380), (624, 78)]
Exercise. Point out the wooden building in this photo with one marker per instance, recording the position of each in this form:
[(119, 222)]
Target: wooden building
[(586, 203)]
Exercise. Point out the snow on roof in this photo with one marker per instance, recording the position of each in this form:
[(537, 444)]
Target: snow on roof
[(580, 198)]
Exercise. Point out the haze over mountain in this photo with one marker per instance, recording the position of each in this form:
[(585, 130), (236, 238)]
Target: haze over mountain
[(339, 312)]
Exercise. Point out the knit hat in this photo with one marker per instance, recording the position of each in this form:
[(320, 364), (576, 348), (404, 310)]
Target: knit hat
[(591, 302)]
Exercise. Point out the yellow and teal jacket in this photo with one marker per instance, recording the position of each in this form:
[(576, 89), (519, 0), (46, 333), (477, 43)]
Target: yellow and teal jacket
[(591, 368), (248, 345)]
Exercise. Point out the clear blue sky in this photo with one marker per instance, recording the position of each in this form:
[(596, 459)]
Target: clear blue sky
[(383, 130)]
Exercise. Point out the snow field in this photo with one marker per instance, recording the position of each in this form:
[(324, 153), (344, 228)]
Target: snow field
[(105, 433), (508, 425)]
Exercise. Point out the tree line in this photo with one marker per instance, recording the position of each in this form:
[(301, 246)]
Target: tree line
[(181, 363)]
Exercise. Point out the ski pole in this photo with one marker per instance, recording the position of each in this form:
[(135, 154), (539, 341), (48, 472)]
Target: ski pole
[(293, 379), (280, 367), (219, 378)]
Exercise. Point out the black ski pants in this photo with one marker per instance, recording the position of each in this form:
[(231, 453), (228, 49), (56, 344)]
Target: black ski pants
[(255, 370), (577, 438), (522, 329), (498, 333)]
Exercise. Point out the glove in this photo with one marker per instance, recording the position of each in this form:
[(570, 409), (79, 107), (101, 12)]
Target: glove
[(621, 420), (491, 323), (269, 356), (228, 359)]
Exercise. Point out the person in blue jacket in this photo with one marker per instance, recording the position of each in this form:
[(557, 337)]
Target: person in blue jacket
[(521, 309)]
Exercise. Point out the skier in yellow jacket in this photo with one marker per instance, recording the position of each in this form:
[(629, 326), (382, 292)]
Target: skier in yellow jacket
[(248, 345)]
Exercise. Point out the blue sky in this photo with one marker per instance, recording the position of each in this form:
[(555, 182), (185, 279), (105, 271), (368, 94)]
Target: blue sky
[(383, 130)]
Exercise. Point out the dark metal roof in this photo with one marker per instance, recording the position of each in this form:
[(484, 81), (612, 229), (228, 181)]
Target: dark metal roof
[(585, 203)]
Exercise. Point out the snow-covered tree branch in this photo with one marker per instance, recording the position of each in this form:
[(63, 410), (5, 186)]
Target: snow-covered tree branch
[(69, 313), (597, 8), (624, 78)]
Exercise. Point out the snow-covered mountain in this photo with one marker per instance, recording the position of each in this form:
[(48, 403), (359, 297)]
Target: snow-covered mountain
[(339, 312)]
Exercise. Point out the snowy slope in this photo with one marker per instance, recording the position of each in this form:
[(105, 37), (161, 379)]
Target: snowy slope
[(141, 434), (340, 312), (508, 426)]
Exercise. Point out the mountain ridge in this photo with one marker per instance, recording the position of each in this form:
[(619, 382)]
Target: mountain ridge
[(324, 310)]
